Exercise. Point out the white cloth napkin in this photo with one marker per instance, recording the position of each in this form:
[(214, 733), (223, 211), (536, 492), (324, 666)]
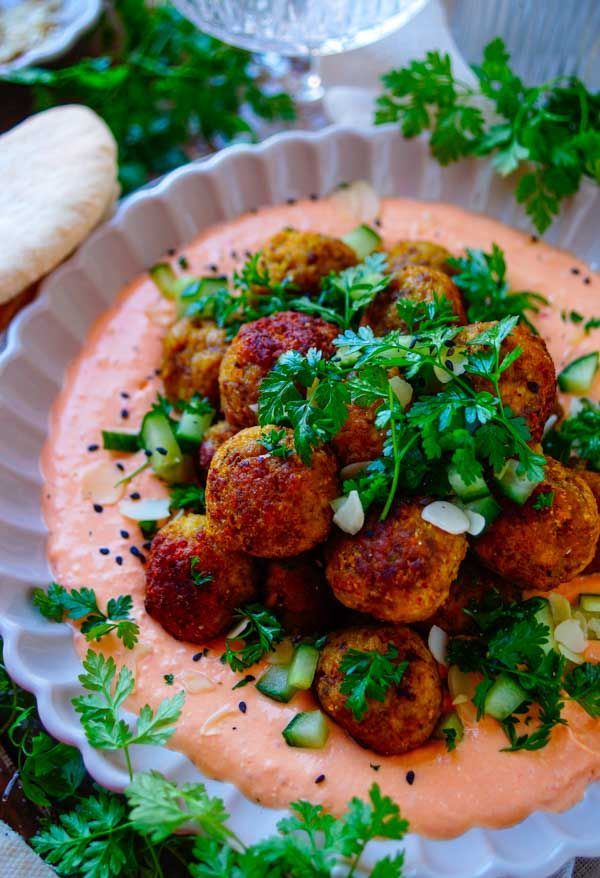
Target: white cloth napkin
[(17, 860)]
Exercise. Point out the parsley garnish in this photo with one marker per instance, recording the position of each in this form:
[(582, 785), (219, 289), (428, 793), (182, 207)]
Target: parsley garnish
[(550, 130), (274, 443), (544, 500), (198, 576), (81, 604), (450, 739), (261, 633), (577, 437), (169, 679), (187, 496), (368, 675)]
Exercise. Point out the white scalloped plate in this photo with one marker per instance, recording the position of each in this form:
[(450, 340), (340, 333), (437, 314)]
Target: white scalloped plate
[(47, 335)]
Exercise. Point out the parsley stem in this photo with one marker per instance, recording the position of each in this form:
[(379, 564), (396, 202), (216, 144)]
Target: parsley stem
[(128, 761)]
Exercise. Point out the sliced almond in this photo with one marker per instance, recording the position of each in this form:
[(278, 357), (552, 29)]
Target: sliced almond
[(559, 607), (477, 522), (353, 469), (448, 517), (98, 482), (438, 644), (349, 514), (212, 725), (145, 510), (357, 200), (570, 635), (402, 390), (195, 682)]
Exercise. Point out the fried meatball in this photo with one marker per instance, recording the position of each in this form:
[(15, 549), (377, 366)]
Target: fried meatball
[(410, 711), (297, 592), (304, 258), (359, 439), (471, 584), (528, 386), (266, 505), (255, 350), (192, 354), (419, 253), (398, 570), (187, 607), (214, 437), (417, 283), (540, 548), (593, 480)]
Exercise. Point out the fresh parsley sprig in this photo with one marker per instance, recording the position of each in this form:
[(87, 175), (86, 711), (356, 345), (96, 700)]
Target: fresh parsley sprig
[(550, 131), (368, 675), (188, 496), (59, 603), (261, 633), (577, 438), (274, 443)]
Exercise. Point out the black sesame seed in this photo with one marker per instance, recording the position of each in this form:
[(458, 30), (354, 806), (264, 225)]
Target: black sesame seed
[(534, 239), (449, 365), (171, 251), (135, 495), (213, 267), (161, 450), (243, 707), (119, 559), (183, 262), (124, 394), (124, 414), (375, 766), (137, 554), (247, 254), (587, 281), (313, 196), (147, 545), (575, 270), (93, 447), (410, 777), (120, 466), (98, 507), (105, 550), (320, 778), (147, 452), (377, 222), (290, 200), (124, 534), (197, 657)]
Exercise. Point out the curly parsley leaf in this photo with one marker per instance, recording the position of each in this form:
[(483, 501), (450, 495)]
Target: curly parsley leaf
[(582, 684), (368, 675), (577, 437), (59, 603), (199, 577), (261, 633), (274, 443), (187, 496)]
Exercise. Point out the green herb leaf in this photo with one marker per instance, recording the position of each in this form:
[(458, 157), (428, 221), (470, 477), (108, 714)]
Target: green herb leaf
[(368, 675), (81, 604), (261, 633)]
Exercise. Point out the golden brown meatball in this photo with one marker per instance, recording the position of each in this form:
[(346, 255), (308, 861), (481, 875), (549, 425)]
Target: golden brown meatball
[(304, 258), (471, 584), (359, 439), (398, 570), (417, 283), (528, 386), (255, 350), (540, 548), (192, 354), (410, 711), (297, 592), (214, 437), (266, 505), (593, 480), (419, 253), (194, 600)]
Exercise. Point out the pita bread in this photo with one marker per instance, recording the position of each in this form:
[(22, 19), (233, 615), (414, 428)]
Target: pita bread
[(58, 173)]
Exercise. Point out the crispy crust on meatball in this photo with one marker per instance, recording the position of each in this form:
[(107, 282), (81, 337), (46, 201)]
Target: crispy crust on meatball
[(540, 548), (255, 350), (268, 506), (359, 439), (398, 570), (419, 253), (528, 386), (186, 610), (304, 258), (297, 592), (410, 711), (192, 354), (214, 437), (593, 480), (417, 283)]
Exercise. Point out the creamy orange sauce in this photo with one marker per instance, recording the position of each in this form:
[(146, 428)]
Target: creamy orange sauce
[(475, 785)]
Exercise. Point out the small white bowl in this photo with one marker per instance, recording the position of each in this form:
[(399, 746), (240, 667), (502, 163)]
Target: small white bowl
[(47, 335)]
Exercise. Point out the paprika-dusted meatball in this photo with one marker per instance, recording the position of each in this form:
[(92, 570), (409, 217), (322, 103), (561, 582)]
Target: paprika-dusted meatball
[(593, 480), (471, 584), (419, 253), (359, 439), (398, 570), (267, 505), (407, 716), (194, 599), (528, 386), (540, 548), (192, 354), (255, 350), (297, 592), (304, 258), (214, 437), (417, 283)]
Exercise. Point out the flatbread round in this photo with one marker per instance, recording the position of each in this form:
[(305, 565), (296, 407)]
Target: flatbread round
[(58, 179)]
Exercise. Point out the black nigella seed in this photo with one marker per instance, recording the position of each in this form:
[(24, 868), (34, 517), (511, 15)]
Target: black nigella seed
[(410, 777), (98, 507), (161, 450), (124, 414), (320, 778), (449, 365), (137, 554), (375, 766), (534, 239), (197, 657), (135, 495), (93, 447), (291, 200), (313, 196), (124, 534), (183, 262), (587, 281), (124, 394), (214, 268), (171, 251), (105, 550), (147, 452), (120, 466), (243, 707), (575, 270), (147, 545), (377, 222), (119, 559)]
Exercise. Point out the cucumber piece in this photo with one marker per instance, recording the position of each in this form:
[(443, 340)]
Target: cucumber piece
[(503, 698), (544, 616), (307, 729), (303, 667), (590, 604), (578, 376), (191, 428), (363, 240), (165, 454), (171, 285), (486, 506), (275, 684), (516, 487), (197, 289), (121, 440), (449, 722), (473, 491)]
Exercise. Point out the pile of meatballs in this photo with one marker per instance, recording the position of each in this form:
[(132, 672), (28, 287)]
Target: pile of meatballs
[(267, 534)]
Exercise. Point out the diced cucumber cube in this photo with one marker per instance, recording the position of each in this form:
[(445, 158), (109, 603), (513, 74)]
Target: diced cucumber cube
[(579, 375), (121, 440), (590, 604), (303, 667), (275, 683), (452, 723), (307, 729), (517, 487), (504, 697), (159, 441), (472, 491), (191, 428), (363, 240), (486, 506), (544, 616)]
